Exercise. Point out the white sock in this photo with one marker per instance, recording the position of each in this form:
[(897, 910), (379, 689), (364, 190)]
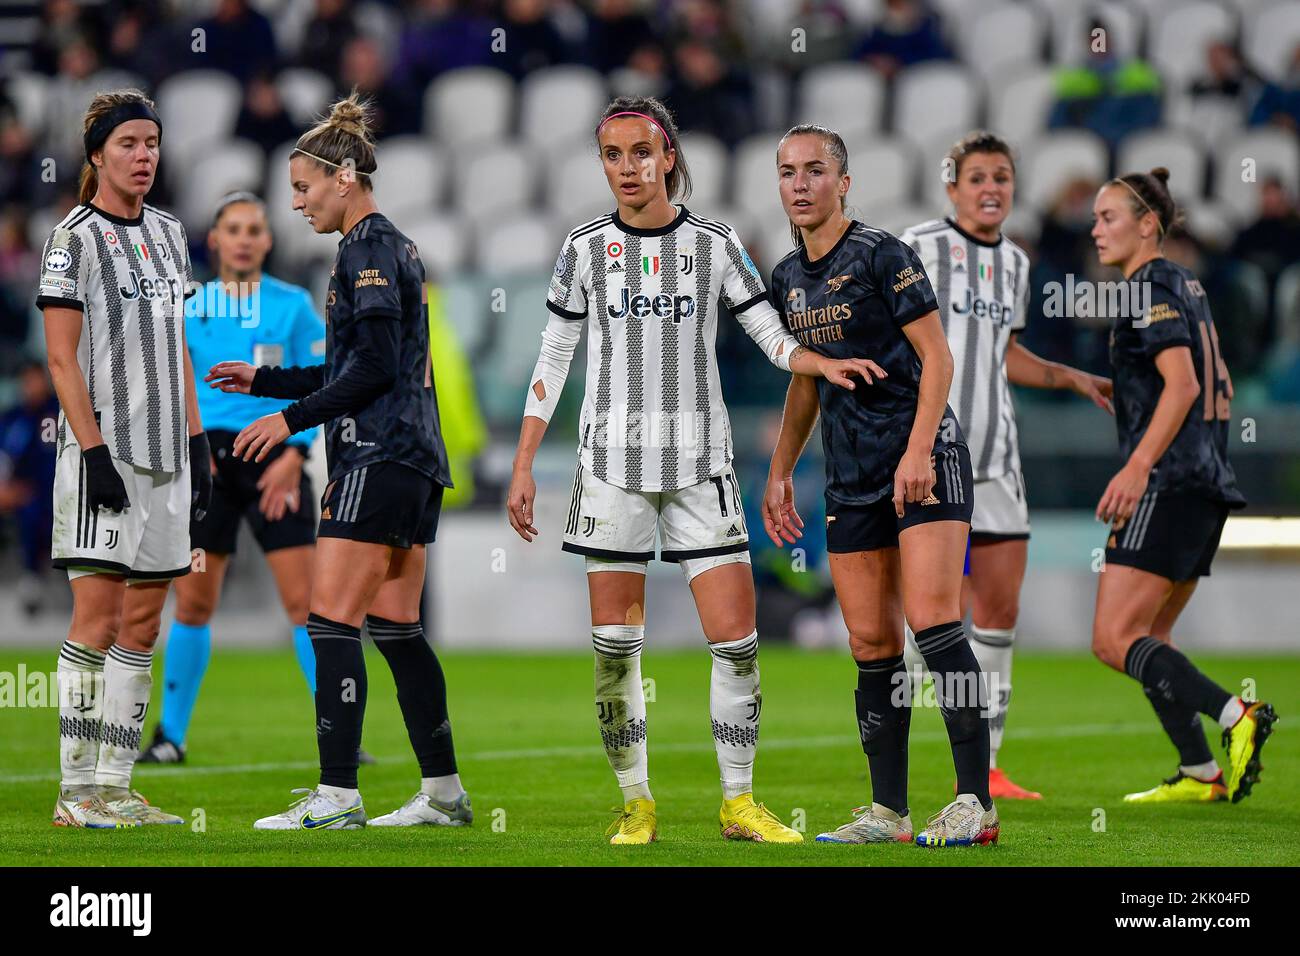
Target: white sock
[(443, 789), (341, 796), (128, 682), (1202, 771), (81, 710), (992, 647), (1231, 712), (734, 704), (620, 705)]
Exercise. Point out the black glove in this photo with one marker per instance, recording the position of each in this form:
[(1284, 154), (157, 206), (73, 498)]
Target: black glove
[(200, 476), (104, 488)]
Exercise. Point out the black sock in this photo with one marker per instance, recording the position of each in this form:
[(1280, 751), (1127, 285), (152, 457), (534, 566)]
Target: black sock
[(340, 698), (1157, 665), (962, 696), (884, 702), (1182, 725), (421, 692)]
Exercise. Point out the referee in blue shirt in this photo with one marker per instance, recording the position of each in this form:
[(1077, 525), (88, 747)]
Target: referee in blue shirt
[(245, 313)]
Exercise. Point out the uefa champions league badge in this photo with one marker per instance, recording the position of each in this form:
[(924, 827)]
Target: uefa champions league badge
[(58, 260)]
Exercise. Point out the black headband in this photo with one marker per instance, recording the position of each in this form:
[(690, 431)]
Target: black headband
[(100, 130)]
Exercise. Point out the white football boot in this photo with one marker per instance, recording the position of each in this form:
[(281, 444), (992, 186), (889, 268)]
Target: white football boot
[(132, 805), (964, 822), (873, 824), (87, 809), (424, 809), (315, 811)]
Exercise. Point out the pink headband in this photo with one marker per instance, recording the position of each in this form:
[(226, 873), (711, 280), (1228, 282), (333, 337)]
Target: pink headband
[(667, 141)]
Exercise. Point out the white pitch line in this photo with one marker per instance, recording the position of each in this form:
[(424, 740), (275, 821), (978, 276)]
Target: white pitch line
[(591, 751)]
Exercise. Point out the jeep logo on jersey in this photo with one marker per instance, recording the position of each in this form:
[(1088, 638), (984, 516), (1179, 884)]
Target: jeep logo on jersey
[(663, 306), (144, 287), (982, 308)]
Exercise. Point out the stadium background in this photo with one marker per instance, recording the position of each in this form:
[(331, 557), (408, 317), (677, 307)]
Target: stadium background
[(486, 160)]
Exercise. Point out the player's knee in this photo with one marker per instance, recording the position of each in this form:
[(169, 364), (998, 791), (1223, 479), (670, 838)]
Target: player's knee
[(195, 611), (866, 645), (1000, 613), (296, 606), (1107, 645)]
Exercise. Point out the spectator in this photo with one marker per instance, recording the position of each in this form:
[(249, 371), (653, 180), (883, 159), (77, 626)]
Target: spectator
[(707, 96), (1239, 292), (1279, 103), (646, 73), (363, 67), (444, 35), (532, 40), (236, 39), (61, 24), (1272, 241), (263, 118), (1110, 96), (615, 29), (328, 32), (27, 452), (907, 33)]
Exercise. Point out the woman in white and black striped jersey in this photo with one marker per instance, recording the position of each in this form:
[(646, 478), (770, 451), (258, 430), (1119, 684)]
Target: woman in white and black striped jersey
[(132, 461), (981, 281), (655, 447)]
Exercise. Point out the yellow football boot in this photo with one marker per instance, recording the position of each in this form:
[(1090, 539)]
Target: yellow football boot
[(636, 824), (1181, 788), (1243, 741), (743, 819)]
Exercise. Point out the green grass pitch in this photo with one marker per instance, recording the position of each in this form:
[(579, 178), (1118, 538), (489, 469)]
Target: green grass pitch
[(530, 756)]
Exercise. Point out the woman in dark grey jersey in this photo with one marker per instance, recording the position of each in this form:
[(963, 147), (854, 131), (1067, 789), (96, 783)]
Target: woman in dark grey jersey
[(1168, 504), (387, 469), (899, 491)]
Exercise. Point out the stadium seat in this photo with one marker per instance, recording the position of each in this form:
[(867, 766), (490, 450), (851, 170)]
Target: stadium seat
[(1268, 151), (709, 164), (560, 104), (882, 171), (228, 166), (411, 173), (522, 243), (895, 217), (469, 105), (1178, 35), (29, 92), (932, 153), (920, 87), (492, 180), (503, 369), (443, 242), (305, 93), (753, 174), (1052, 161), (1071, 37), (197, 107), (848, 97), (1213, 223), (576, 182), (1174, 149), (1020, 100), (1210, 118), (1271, 36), (992, 40), (1287, 305)]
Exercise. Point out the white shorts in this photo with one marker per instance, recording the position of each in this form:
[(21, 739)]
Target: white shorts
[(1001, 512), (150, 540), (617, 524)]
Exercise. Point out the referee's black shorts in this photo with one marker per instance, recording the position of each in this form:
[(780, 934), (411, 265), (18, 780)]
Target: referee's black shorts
[(382, 503), (235, 496), (869, 527), (1172, 534)]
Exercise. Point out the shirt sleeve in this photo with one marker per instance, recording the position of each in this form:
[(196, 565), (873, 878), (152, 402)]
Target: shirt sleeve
[(63, 271), (188, 278), (1163, 323), (902, 281), (742, 286), (372, 277), (1021, 318), (567, 295)]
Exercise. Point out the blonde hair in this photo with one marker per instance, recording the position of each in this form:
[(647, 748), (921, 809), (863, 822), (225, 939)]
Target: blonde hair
[(343, 139), (835, 148), (99, 106)]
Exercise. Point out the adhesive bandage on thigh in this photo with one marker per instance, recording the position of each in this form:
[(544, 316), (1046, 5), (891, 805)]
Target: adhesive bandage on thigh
[(620, 700), (600, 564), (694, 567), (734, 705)]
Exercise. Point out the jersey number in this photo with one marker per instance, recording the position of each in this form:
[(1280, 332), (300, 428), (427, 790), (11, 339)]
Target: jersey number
[(1215, 374)]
